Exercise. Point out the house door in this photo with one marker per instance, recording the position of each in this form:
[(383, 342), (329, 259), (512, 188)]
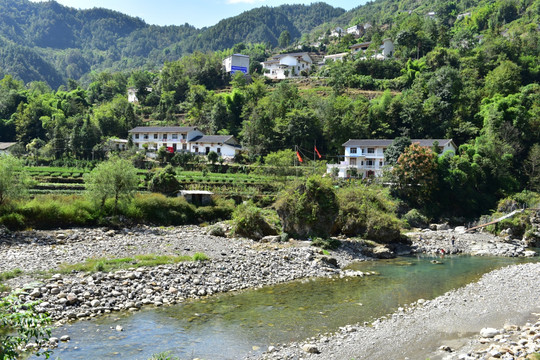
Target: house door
[(207, 150), (174, 147)]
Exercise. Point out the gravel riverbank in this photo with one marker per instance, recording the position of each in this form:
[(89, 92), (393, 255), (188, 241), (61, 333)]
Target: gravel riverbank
[(447, 327)]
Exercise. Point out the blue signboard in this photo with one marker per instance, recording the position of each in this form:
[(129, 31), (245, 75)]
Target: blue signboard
[(239, 68)]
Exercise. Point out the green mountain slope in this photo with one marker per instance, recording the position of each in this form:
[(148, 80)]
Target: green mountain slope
[(67, 43)]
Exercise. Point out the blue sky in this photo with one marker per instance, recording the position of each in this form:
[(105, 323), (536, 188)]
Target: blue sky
[(199, 13)]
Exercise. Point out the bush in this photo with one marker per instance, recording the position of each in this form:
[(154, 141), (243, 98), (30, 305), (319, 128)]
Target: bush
[(249, 221), (161, 210), (200, 257), (53, 211), (326, 244), (416, 219), (368, 212), (165, 182), (13, 221), (308, 209), (217, 230)]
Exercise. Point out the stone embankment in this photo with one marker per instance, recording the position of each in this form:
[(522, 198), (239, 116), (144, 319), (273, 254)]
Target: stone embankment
[(479, 244), (442, 328)]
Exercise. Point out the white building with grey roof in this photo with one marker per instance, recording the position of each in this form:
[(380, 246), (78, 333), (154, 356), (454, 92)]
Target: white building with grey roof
[(184, 138), (365, 157)]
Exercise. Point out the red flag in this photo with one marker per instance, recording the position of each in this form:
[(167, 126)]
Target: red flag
[(170, 149), (299, 157), (317, 151)]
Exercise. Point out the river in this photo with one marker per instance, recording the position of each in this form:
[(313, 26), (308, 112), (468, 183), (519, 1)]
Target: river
[(229, 326)]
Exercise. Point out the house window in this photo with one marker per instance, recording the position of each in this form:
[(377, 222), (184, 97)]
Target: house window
[(371, 150), (369, 163), (184, 136), (184, 146), (196, 149), (380, 163), (155, 136), (353, 161), (145, 136), (353, 150), (219, 150), (165, 145), (174, 136), (207, 150), (164, 136), (136, 136), (362, 163)]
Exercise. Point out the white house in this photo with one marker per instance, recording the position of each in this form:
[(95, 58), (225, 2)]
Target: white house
[(385, 51), (336, 57), (5, 146), (285, 66), (367, 156), (236, 62), (225, 146), (187, 139), (356, 30), (336, 32), (175, 137), (132, 95)]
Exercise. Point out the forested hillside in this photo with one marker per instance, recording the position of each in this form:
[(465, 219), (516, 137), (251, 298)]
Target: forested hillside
[(50, 42)]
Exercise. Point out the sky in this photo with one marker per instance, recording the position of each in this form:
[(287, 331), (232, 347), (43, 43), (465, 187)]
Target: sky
[(199, 13)]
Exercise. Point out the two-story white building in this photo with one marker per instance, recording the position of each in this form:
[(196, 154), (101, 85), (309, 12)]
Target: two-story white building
[(184, 138), (285, 66), (337, 32), (236, 62), (385, 50), (366, 157)]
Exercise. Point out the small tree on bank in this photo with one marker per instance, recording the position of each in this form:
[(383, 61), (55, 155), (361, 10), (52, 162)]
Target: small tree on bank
[(115, 178)]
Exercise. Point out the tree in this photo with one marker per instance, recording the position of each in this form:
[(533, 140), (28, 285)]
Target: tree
[(13, 179), (280, 162), (284, 39), (415, 174), (532, 168), (115, 178), (165, 181), (394, 151), (212, 157), (20, 325), (308, 208)]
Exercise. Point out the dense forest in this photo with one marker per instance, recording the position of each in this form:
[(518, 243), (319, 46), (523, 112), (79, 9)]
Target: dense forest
[(49, 42), (474, 79)]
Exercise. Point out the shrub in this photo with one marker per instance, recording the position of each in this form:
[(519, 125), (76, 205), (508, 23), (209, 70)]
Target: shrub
[(309, 208), (164, 181), (369, 212), (200, 257), (52, 211), (160, 210), (13, 221), (249, 221), (326, 244), (216, 230), (416, 219)]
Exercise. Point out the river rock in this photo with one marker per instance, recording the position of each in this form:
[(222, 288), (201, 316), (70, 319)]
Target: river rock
[(489, 332), (311, 349), (382, 252), (65, 338)]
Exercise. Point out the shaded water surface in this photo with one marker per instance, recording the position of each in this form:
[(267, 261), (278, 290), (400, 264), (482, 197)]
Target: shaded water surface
[(229, 326)]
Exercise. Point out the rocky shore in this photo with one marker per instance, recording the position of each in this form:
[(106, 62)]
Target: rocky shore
[(461, 324), (234, 264), (477, 244)]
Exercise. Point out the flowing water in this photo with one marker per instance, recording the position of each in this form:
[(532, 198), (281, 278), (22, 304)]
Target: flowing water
[(229, 326)]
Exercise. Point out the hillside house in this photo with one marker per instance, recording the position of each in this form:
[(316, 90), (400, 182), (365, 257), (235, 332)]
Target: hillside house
[(285, 66), (132, 95), (184, 139), (225, 146), (356, 30), (336, 57), (236, 62), (367, 156), (336, 32), (385, 50), (6, 146)]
